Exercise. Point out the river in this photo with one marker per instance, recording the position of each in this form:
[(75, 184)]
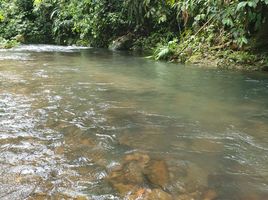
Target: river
[(85, 123)]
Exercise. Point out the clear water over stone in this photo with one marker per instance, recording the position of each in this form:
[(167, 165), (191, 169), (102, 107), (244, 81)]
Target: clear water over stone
[(69, 116)]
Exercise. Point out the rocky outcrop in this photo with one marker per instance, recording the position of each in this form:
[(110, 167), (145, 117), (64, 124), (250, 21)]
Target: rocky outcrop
[(122, 43)]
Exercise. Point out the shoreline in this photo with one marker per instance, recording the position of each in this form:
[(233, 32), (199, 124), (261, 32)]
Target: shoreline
[(209, 61)]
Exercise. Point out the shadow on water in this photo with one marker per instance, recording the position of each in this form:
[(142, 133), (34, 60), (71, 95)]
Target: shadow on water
[(94, 124)]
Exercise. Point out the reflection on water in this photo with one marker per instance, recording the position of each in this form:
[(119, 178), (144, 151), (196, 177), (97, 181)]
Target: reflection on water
[(92, 124)]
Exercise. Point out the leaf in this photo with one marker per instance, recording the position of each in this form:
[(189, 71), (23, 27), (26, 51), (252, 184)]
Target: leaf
[(244, 40), (1, 17), (252, 4), (163, 53), (241, 5), (171, 2), (163, 18), (37, 2), (228, 22), (200, 17)]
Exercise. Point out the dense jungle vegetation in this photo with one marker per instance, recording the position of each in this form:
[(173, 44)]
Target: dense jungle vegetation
[(221, 31)]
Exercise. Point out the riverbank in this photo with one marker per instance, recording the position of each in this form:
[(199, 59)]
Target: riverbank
[(229, 35), (7, 44), (195, 52), (230, 60), (226, 59)]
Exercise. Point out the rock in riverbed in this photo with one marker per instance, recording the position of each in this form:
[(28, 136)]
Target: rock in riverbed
[(198, 195), (210, 195), (141, 159), (141, 177), (149, 194), (122, 43), (157, 173)]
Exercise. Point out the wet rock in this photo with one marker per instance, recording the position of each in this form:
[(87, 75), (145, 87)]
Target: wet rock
[(159, 194), (39, 196), (185, 197), (198, 193), (157, 173), (210, 195), (115, 167), (130, 173), (141, 159), (134, 173), (81, 198), (20, 38), (196, 176), (58, 196), (125, 189), (139, 194), (149, 194), (189, 196), (140, 176), (87, 142), (122, 43), (59, 150)]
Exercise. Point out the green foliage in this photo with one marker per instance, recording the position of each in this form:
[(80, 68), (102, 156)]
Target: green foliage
[(240, 57), (87, 22), (240, 19), (165, 52), (21, 17), (151, 10), (83, 22), (153, 40), (175, 29), (7, 44)]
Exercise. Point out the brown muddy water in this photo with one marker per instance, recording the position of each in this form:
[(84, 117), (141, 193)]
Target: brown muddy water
[(93, 124)]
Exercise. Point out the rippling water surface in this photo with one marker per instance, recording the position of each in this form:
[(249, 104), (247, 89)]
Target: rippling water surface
[(69, 117)]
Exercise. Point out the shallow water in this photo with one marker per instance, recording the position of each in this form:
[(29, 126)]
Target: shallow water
[(69, 115)]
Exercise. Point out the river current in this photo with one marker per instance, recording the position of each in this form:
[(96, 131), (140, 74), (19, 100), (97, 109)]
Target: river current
[(85, 123)]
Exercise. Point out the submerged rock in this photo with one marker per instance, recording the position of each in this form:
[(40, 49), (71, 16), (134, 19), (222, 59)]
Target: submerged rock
[(149, 194), (134, 173), (189, 196), (141, 177), (141, 159), (125, 189), (157, 173), (159, 194), (130, 173), (43, 196), (210, 195), (196, 177)]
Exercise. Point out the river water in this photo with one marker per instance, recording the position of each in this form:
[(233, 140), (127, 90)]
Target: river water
[(70, 117)]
